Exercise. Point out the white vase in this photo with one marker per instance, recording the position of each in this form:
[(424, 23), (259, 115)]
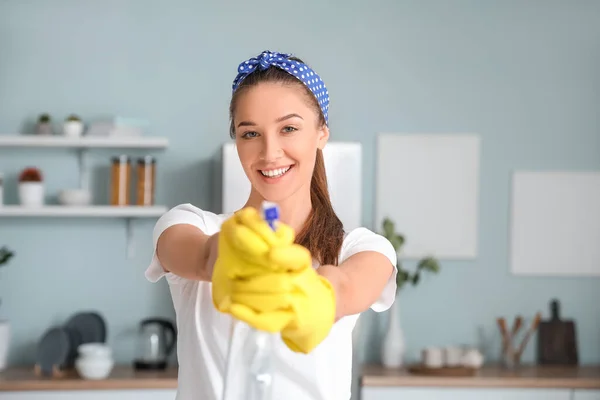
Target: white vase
[(4, 343), (31, 194), (73, 128), (393, 346)]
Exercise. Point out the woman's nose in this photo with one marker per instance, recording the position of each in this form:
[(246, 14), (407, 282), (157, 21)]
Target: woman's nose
[(271, 150)]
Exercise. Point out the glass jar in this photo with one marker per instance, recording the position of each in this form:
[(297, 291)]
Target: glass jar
[(120, 178), (146, 177)]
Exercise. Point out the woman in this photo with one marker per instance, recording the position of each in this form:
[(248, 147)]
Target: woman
[(309, 288)]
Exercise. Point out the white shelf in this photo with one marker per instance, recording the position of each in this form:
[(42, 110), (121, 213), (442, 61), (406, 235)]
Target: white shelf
[(84, 211), (128, 213), (84, 142), (83, 146)]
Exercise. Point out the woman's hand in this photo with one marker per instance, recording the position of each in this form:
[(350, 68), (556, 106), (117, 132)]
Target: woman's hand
[(296, 301), (244, 244), (262, 278)]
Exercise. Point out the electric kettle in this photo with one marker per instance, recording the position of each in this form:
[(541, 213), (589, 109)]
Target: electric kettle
[(155, 343)]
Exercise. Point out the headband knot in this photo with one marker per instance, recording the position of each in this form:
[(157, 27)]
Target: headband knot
[(297, 69), (262, 61)]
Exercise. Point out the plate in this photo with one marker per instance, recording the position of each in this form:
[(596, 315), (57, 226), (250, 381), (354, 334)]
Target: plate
[(53, 350), (90, 325), (75, 341)]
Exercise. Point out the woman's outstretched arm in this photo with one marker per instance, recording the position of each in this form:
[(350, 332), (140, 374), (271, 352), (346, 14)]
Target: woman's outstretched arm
[(358, 281)]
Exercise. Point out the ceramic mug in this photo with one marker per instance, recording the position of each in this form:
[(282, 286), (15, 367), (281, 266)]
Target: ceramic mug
[(453, 356), (433, 357)]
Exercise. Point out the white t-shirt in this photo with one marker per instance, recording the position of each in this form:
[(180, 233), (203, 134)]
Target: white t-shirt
[(204, 332)]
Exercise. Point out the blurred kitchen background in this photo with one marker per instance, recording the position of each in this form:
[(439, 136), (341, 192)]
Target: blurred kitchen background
[(505, 86)]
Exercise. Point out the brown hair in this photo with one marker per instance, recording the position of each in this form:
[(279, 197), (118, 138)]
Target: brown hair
[(323, 232)]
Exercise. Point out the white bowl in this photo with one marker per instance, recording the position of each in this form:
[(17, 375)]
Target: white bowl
[(74, 197), (94, 368), (94, 351)]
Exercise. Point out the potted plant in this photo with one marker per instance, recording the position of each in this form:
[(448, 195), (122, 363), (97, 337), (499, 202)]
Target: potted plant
[(31, 187), (44, 125), (393, 347), (5, 256), (73, 127)]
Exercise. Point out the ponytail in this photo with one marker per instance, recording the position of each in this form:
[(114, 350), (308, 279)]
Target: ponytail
[(323, 232)]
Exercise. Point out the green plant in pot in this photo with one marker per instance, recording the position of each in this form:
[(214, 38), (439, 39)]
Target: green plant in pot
[(73, 117), (5, 255), (427, 264), (44, 124), (393, 345), (73, 126)]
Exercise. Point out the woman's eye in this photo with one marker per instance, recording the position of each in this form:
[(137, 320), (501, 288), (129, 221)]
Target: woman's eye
[(289, 129), (249, 135)]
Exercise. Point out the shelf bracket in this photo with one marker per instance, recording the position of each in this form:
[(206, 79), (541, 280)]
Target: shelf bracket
[(84, 173), (129, 238)]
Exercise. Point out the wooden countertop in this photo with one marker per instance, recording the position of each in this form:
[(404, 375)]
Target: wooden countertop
[(121, 377), (583, 377)]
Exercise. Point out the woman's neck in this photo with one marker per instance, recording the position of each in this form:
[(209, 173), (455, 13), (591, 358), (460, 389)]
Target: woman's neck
[(293, 211)]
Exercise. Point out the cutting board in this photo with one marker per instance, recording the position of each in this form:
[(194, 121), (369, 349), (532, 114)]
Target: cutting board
[(557, 340)]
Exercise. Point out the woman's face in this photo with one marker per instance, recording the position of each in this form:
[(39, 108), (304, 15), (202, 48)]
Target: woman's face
[(277, 135)]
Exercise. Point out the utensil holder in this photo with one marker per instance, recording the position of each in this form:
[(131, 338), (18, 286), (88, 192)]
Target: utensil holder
[(511, 359)]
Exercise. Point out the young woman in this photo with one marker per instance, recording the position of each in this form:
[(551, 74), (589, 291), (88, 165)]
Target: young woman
[(308, 287)]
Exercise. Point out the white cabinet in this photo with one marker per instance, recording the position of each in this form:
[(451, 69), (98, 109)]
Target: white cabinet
[(422, 393), (151, 394), (582, 394)]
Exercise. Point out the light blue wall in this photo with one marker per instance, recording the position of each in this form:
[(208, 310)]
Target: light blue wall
[(523, 74)]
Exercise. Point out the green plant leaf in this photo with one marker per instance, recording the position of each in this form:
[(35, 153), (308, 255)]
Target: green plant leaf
[(397, 241), (388, 228), (429, 264), (402, 276), (5, 255), (415, 279), (400, 239), (389, 233)]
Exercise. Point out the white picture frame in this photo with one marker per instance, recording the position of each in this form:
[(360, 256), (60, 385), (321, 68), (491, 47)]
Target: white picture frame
[(428, 184), (555, 223)]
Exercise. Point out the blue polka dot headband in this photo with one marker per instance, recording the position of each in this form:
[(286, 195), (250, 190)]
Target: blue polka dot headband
[(301, 71)]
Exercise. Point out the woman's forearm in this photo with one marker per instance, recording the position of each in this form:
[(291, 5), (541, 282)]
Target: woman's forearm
[(185, 250), (358, 281), (341, 285)]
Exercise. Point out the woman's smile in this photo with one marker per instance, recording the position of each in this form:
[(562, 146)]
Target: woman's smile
[(275, 175)]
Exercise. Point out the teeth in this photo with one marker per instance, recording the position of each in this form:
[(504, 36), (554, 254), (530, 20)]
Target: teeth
[(275, 173)]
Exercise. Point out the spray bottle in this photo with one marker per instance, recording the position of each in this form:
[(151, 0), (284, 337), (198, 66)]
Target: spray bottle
[(249, 370)]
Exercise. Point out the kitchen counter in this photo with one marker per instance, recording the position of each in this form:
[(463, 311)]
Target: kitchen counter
[(121, 377), (583, 377)]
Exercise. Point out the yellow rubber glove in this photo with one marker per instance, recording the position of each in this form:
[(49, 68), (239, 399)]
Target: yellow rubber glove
[(304, 313), (262, 278), (244, 243), (293, 298)]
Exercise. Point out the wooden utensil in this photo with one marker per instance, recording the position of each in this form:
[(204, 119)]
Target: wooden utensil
[(534, 326), (517, 325), (504, 332), (557, 340)]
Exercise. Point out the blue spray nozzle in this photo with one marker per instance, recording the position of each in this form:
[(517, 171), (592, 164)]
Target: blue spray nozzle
[(270, 213)]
